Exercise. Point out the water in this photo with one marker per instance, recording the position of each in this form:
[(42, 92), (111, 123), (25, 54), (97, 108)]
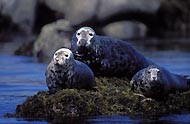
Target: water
[(175, 61), (21, 77)]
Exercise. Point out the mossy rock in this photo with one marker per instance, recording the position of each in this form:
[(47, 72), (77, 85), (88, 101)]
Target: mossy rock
[(111, 96)]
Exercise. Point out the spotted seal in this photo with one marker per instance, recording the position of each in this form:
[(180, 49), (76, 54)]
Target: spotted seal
[(157, 82), (107, 56), (66, 72)]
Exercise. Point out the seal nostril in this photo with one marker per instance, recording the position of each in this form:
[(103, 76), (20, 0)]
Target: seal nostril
[(56, 59), (154, 78), (82, 42)]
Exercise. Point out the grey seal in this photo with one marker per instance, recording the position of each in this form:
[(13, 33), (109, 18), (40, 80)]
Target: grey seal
[(157, 82), (66, 72), (107, 56)]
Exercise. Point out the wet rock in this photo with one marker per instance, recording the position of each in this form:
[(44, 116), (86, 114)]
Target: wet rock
[(112, 96), (21, 12), (126, 30), (52, 37)]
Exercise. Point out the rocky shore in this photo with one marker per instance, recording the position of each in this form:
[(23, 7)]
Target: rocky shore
[(47, 25), (111, 96)]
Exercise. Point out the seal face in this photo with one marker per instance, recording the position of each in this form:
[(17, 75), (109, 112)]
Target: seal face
[(84, 36), (148, 82), (156, 82), (62, 56), (66, 72), (154, 74), (107, 56)]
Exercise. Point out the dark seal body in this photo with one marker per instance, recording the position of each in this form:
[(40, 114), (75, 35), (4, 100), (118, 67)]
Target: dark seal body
[(72, 74), (108, 56), (156, 82)]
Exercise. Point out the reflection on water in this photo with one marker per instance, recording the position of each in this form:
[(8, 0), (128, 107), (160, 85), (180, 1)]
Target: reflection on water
[(22, 77)]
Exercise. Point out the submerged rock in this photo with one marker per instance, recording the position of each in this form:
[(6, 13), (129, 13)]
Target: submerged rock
[(112, 96)]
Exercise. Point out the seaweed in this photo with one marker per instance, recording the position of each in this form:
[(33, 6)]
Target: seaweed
[(111, 96)]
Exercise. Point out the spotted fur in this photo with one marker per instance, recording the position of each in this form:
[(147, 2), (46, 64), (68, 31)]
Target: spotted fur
[(66, 72), (157, 82), (107, 56)]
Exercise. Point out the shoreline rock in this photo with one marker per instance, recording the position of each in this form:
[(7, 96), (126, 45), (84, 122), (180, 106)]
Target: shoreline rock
[(52, 37), (112, 96)]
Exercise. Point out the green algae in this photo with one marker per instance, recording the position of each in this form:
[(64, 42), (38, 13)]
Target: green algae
[(111, 96)]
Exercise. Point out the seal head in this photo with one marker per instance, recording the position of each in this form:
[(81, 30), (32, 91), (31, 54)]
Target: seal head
[(149, 82), (153, 74), (84, 36), (62, 56), (66, 72)]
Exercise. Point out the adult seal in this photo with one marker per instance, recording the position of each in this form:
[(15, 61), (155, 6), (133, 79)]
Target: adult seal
[(156, 82), (107, 56), (66, 72)]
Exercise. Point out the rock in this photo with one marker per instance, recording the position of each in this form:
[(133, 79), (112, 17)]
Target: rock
[(21, 12), (52, 37), (73, 10), (6, 27), (112, 96), (126, 30), (108, 8), (100, 10), (73, 103), (56, 5), (174, 18), (157, 15), (80, 11)]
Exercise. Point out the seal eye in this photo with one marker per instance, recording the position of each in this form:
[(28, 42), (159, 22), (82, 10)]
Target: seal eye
[(90, 34), (149, 72), (78, 33), (55, 54), (66, 55), (158, 71)]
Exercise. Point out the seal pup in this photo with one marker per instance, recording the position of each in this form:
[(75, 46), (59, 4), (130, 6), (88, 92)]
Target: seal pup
[(66, 72), (156, 82), (107, 56)]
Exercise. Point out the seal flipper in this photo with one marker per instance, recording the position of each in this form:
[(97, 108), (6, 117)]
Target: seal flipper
[(188, 79), (188, 82), (185, 76)]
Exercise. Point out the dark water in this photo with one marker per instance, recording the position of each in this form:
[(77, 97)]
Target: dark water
[(21, 77)]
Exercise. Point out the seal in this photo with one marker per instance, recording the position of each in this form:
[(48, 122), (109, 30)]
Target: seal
[(107, 56), (157, 82), (66, 72)]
